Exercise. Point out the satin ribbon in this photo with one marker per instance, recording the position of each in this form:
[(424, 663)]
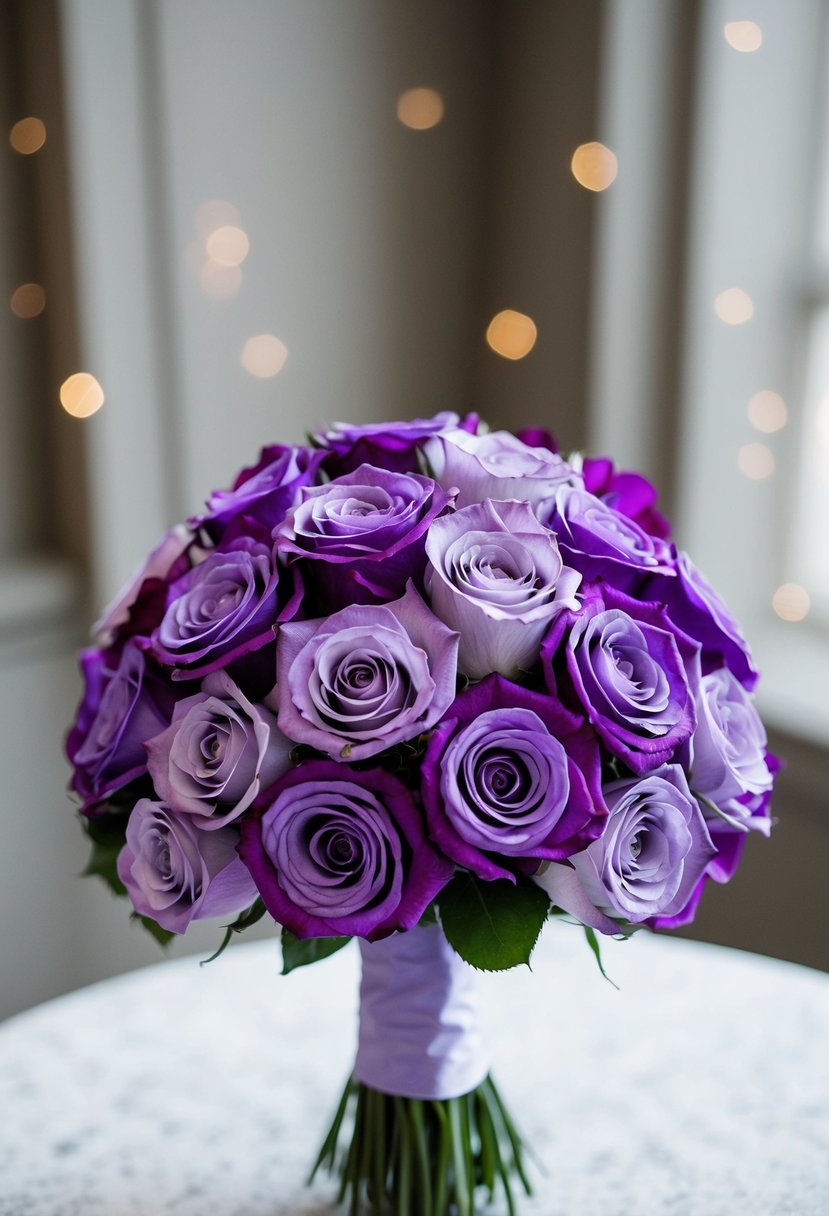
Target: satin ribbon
[(419, 1031)]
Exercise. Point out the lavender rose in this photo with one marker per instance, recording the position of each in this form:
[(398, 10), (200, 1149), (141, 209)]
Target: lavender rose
[(333, 856), (357, 682), (495, 575), (362, 536), (393, 445), (497, 466), (509, 775), (630, 672), (262, 493), (218, 751), (220, 610), (728, 752), (601, 542), (123, 705), (698, 610), (647, 863), (174, 873)]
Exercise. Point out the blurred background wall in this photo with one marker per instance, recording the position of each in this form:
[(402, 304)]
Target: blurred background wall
[(226, 223)]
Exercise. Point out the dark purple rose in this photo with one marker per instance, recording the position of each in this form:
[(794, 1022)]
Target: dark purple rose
[(495, 575), (728, 750), (218, 752), (357, 682), (123, 705), (630, 671), (630, 493), (497, 466), (342, 853), (165, 560), (391, 445), (700, 611), (649, 860), (362, 536), (221, 609), (601, 542), (538, 437), (175, 873), (509, 775), (263, 492)]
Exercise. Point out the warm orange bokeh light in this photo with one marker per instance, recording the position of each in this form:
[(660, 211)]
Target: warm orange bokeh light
[(28, 136), (81, 395), (28, 300), (511, 334), (594, 166), (420, 109)]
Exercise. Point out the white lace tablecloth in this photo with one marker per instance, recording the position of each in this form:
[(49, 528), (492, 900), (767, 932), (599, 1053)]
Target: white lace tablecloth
[(699, 1089)]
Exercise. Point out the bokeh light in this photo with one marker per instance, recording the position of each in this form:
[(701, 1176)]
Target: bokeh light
[(791, 602), (511, 334), (756, 461), (743, 35), (420, 109), (28, 136), (767, 411), (594, 166), (81, 395), (734, 306), (219, 282), (228, 245), (264, 356), (28, 300)]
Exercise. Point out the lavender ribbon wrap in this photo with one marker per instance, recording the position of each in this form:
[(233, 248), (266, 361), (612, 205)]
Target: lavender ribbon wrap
[(419, 1030)]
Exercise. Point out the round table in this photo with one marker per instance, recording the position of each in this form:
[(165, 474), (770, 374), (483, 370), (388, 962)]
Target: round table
[(700, 1088)]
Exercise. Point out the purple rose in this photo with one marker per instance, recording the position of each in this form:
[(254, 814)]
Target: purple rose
[(392, 445), (175, 873), (218, 752), (601, 542), (362, 536), (166, 559), (630, 672), (342, 853), (123, 705), (264, 492), (630, 493), (508, 775), (221, 609), (497, 466), (647, 863), (495, 575), (357, 682), (728, 752), (698, 610)]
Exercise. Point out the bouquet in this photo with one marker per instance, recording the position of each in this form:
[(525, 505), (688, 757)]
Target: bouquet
[(429, 687)]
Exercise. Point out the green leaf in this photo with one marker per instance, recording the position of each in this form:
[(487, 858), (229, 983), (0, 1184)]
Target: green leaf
[(593, 943), (162, 936), (103, 862), (243, 921), (493, 925), (301, 952)]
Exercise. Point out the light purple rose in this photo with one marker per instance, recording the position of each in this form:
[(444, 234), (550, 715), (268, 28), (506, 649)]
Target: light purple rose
[(649, 860), (175, 873), (262, 493), (333, 855), (220, 610), (728, 752), (361, 537), (700, 611), (497, 466), (165, 557), (496, 575), (392, 445), (630, 672), (366, 678), (601, 542), (219, 750), (123, 705), (509, 775)]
